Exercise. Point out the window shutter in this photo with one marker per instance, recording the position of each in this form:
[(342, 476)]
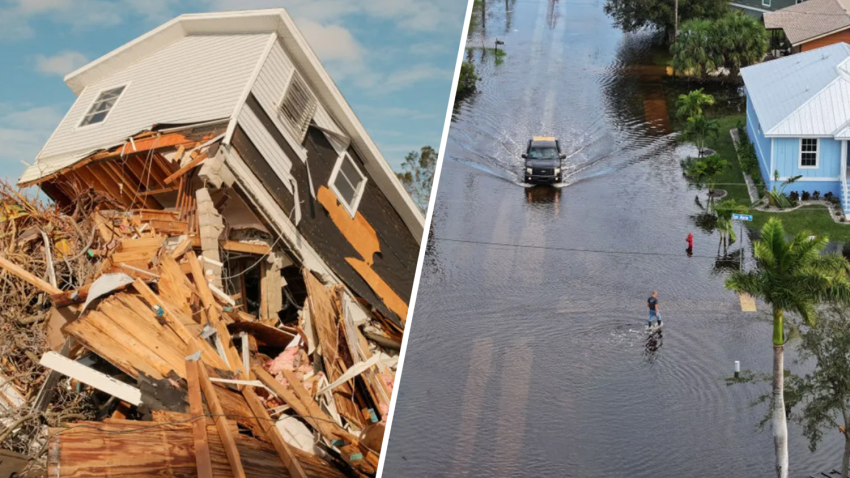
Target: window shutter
[(298, 107)]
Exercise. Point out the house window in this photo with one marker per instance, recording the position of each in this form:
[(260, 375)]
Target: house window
[(765, 3), (297, 107), (102, 106), (809, 153), (348, 183)]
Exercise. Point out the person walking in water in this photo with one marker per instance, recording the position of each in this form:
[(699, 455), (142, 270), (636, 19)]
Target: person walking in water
[(652, 303)]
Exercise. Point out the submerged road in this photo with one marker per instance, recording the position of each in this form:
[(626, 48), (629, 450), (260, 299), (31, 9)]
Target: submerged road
[(527, 354)]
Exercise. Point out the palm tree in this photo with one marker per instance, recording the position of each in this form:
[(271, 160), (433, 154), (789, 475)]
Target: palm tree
[(742, 39), (699, 129), (690, 105), (724, 210), (694, 52), (791, 276)]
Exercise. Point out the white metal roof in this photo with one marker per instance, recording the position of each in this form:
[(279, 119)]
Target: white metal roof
[(251, 22), (806, 94)]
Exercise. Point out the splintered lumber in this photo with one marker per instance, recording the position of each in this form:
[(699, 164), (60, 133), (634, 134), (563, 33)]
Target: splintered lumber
[(215, 318), (307, 409), (265, 421), (264, 334), (27, 277), (324, 321), (129, 448), (185, 169), (248, 248), (199, 425), (91, 377), (221, 425)]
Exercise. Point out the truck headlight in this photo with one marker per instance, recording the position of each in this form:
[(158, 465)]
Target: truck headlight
[(557, 170), (528, 170)]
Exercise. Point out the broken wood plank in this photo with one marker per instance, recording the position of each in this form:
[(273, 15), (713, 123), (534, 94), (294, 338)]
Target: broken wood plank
[(91, 377), (248, 248), (199, 425), (181, 249), (207, 352), (266, 335), (221, 423), (159, 191), (265, 421), (191, 164), (128, 448), (214, 316), (22, 274)]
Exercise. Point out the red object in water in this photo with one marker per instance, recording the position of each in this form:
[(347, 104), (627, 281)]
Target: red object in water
[(690, 240)]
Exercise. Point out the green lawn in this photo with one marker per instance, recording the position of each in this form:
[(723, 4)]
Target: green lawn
[(732, 179), (814, 219)]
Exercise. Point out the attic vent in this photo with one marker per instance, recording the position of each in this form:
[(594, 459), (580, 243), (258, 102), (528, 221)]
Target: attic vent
[(298, 107)]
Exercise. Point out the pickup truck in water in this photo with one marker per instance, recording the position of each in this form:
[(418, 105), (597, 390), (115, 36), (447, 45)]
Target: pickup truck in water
[(543, 160)]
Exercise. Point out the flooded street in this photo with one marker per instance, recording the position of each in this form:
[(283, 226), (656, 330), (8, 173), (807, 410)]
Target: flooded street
[(528, 354)]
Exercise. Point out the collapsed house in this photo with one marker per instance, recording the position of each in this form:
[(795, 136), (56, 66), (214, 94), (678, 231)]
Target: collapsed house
[(248, 256)]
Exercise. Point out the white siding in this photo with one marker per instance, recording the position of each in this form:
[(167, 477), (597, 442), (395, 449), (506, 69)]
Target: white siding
[(270, 86), (266, 145), (194, 79)]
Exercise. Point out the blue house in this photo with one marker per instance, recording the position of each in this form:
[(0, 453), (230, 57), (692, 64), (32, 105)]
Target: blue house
[(798, 118)]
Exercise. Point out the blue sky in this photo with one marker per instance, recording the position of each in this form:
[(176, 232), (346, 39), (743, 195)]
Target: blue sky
[(393, 60)]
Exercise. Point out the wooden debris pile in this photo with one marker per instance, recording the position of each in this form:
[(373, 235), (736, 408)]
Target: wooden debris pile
[(136, 342)]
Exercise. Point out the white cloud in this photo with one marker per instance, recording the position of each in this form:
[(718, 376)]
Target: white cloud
[(393, 111), (420, 15), (60, 64), (23, 131), (401, 79), (331, 42)]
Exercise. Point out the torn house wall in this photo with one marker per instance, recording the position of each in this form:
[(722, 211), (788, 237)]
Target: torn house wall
[(142, 104)]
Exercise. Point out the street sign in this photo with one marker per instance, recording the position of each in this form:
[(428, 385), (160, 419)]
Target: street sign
[(742, 217)]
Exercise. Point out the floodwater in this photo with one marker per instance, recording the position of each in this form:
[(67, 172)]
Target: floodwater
[(527, 353)]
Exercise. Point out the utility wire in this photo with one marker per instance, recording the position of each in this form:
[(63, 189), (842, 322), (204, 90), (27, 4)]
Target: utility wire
[(571, 249)]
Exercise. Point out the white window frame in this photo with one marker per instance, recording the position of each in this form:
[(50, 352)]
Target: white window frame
[(80, 124), (765, 3), (358, 193), (817, 154), (279, 107)]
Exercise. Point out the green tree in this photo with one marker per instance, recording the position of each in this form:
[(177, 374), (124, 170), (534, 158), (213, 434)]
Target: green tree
[(466, 83), (690, 105), (704, 172), (417, 175), (791, 276), (700, 129), (825, 392), (732, 41), (741, 40), (724, 210), (694, 52), (635, 15), (776, 197)]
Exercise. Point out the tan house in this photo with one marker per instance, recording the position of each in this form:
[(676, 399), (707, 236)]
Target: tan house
[(811, 24)]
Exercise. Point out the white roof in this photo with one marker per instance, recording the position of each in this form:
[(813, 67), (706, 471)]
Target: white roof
[(244, 23), (806, 94)]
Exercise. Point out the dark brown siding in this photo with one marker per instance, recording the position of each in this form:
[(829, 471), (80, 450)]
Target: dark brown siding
[(396, 263)]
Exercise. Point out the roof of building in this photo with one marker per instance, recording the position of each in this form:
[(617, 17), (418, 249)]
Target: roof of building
[(810, 20), (240, 23), (807, 94)]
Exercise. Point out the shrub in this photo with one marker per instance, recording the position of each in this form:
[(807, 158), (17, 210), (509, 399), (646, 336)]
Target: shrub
[(466, 83), (816, 195), (828, 196), (806, 195)]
